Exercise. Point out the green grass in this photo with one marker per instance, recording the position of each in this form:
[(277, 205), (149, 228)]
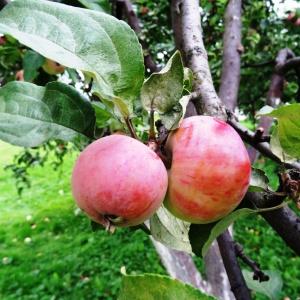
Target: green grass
[(48, 251)]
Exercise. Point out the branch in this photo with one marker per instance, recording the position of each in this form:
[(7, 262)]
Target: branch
[(124, 7), (249, 137), (3, 3), (186, 16), (290, 64), (283, 220), (237, 281), (258, 273), (232, 49)]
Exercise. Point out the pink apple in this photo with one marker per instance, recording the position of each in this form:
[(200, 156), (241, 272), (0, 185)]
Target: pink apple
[(118, 179), (210, 170)]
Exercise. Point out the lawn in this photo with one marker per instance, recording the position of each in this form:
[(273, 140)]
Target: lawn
[(48, 251)]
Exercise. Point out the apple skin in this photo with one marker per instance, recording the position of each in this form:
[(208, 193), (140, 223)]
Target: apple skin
[(117, 178), (52, 68), (210, 170)]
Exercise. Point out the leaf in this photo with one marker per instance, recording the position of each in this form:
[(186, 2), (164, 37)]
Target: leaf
[(288, 128), (202, 235), (31, 115), (277, 149), (259, 181), (32, 61), (158, 287), (99, 5), (93, 42), (162, 92), (270, 288), (172, 119), (102, 114), (170, 230), (265, 110)]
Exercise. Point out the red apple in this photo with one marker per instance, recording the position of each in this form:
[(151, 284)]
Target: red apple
[(210, 170), (20, 75), (52, 68), (119, 180)]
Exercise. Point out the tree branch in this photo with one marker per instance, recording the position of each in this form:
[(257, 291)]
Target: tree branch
[(3, 3), (232, 49), (283, 220), (186, 16), (124, 7), (292, 63), (249, 137), (237, 281), (274, 94)]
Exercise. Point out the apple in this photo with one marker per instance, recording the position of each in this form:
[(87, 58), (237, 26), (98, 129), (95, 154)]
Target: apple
[(52, 68), (2, 40), (210, 170), (118, 180), (20, 75)]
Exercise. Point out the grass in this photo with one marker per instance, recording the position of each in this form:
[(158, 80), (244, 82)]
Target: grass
[(48, 251)]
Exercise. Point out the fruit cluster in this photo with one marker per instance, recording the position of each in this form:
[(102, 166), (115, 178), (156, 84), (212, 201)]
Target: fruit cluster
[(119, 180)]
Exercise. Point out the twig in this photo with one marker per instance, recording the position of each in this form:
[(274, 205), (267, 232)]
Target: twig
[(152, 129), (258, 273), (131, 128)]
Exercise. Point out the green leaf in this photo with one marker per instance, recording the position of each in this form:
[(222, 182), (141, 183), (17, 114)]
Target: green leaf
[(158, 287), (93, 42), (102, 114), (288, 128), (277, 148), (31, 115), (162, 92), (259, 181), (99, 5), (172, 118), (32, 61), (270, 288), (170, 230), (202, 235)]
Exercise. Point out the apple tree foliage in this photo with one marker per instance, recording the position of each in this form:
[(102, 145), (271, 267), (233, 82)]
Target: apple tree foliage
[(105, 86)]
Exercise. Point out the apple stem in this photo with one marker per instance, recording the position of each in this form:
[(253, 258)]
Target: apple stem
[(152, 130), (131, 128)]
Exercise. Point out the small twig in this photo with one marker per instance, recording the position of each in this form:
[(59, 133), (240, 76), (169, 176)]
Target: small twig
[(131, 128), (258, 273), (259, 65)]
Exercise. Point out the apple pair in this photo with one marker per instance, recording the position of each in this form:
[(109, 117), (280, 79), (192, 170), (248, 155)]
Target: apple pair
[(121, 181)]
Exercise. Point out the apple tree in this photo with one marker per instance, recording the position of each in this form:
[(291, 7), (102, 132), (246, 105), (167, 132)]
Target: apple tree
[(137, 117)]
